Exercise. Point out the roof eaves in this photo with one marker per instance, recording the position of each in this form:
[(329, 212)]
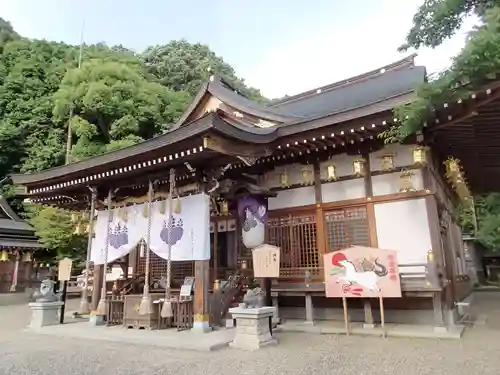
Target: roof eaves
[(190, 129)]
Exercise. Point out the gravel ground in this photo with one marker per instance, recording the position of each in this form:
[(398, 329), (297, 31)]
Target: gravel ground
[(477, 353)]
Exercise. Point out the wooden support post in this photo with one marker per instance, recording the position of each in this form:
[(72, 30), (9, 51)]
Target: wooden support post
[(309, 309), (96, 286), (367, 179), (15, 273), (320, 221), (201, 308), (438, 309), (369, 322)]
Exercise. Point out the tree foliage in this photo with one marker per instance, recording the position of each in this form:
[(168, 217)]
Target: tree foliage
[(115, 99), (475, 65), (184, 67), (483, 220)]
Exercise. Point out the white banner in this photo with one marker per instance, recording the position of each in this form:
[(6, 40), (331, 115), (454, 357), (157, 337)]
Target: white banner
[(127, 228), (188, 231)]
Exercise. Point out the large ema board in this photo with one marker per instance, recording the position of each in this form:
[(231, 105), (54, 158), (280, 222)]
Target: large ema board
[(362, 272)]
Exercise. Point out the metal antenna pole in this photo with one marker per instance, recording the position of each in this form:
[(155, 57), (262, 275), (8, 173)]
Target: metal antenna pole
[(69, 141)]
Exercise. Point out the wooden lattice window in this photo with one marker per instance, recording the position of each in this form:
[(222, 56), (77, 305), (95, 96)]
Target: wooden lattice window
[(158, 268), (346, 227), (296, 236)]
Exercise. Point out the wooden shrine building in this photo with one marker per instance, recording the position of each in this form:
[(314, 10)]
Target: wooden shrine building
[(333, 181), (17, 245)]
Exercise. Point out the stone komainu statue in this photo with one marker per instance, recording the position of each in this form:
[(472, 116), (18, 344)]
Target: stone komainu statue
[(46, 292), (254, 298)]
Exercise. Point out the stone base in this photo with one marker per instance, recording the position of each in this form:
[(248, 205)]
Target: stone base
[(44, 314), (252, 328), (368, 326), (96, 320)]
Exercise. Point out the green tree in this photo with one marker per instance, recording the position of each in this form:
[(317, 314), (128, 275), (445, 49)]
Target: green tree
[(184, 66), (55, 229), (114, 106), (476, 64)]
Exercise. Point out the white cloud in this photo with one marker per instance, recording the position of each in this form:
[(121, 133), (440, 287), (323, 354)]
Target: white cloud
[(335, 51)]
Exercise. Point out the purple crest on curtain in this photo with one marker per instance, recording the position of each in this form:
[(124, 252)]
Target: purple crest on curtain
[(252, 210), (118, 235)]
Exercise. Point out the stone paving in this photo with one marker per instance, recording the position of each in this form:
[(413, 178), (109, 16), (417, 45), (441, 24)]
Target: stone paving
[(23, 353)]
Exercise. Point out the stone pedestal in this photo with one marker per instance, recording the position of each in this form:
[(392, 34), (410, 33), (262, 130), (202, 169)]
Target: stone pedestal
[(252, 327), (44, 313)]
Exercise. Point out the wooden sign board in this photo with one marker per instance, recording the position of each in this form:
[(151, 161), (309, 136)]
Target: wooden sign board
[(187, 287), (362, 272), (266, 261), (64, 269)]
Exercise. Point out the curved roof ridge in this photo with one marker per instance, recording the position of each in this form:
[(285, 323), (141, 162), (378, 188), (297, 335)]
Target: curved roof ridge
[(406, 62)]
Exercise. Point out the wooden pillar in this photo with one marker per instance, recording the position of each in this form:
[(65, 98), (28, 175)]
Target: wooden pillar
[(201, 308), (438, 250), (96, 286), (370, 212), (320, 220), (15, 273)]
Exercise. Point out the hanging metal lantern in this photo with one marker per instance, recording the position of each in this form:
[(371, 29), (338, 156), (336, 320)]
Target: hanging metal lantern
[(4, 256), (224, 208), (406, 184), (284, 180), (331, 172), (306, 176), (387, 162), (177, 206), (420, 155), (27, 257), (359, 167)]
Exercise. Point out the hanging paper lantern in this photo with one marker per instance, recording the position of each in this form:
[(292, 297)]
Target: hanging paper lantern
[(27, 257)]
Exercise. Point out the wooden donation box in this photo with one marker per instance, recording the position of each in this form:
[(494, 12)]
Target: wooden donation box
[(266, 261), (131, 316)]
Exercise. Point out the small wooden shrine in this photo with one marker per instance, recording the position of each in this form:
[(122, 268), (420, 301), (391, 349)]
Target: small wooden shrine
[(326, 180), (17, 245)]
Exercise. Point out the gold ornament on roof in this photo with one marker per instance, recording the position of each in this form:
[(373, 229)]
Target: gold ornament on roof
[(331, 172), (145, 210)]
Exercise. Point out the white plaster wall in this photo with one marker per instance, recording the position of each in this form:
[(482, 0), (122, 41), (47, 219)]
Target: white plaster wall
[(390, 183), (403, 226), (403, 156), (292, 198), (343, 190)]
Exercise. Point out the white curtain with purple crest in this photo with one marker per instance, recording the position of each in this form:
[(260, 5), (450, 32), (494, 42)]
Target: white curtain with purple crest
[(252, 212), (188, 232), (124, 236)]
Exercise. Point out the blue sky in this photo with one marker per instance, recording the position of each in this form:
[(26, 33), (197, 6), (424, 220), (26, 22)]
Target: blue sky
[(279, 46)]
